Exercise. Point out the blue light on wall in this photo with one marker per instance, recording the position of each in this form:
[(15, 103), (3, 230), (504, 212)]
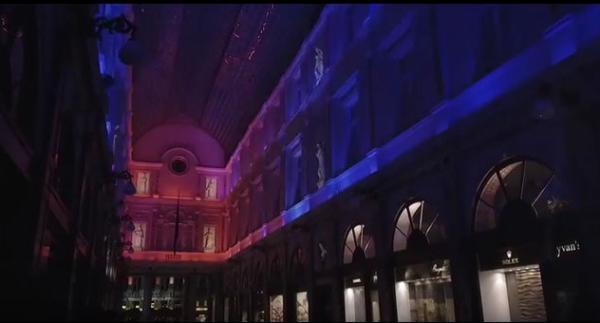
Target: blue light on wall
[(574, 34)]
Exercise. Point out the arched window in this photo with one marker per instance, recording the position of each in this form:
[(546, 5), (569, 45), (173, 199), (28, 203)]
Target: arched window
[(358, 245), (513, 195), (418, 225)]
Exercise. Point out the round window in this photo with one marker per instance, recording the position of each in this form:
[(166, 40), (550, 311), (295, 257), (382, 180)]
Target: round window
[(178, 166)]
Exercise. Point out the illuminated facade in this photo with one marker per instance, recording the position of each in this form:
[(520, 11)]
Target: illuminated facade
[(412, 163), (403, 162), (418, 156)]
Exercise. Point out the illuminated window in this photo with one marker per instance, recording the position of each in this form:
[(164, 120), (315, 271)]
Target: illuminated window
[(417, 225), (138, 235), (358, 245), (302, 307), (515, 194), (210, 188), (276, 308), (208, 238), (143, 182)]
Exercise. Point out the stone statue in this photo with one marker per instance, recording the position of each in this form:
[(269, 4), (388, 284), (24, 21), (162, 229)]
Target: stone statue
[(114, 141), (210, 189), (320, 154), (138, 237), (142, 182), (318, 65)]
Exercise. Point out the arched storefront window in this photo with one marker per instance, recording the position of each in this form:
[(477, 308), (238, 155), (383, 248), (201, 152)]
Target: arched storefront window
[(417, 226), (360, 279), (358, 245), (512, 225), (423, 286), (513, 196)]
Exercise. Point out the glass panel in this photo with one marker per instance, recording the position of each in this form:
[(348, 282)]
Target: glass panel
[(402, 230), (424, 293), (358, 238), (276, 308), (514, 294), (302, 314), (425, 218), (528, 180), (354, 301), (375, 306), (349, 247)]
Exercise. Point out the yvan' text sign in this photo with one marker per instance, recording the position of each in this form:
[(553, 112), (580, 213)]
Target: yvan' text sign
[(567, 248)]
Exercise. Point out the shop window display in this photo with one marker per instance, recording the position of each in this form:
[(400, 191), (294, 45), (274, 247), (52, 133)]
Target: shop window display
[(513, 205), (424, 293), (276, 308), (302, 309), (423, 287)]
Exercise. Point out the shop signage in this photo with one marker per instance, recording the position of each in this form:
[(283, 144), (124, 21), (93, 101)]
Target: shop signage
[(567, 248), (510, 260)]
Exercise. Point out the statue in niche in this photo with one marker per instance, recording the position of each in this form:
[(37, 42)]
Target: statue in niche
[(114, 140), (320, 154), (318, 65), (142, 182), (138, 237), (210, 188)]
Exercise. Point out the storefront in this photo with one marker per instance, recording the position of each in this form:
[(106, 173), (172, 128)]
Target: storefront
[(423, 284), (230, 297), (244, 297), (298, 286), (257, 298), (527, 245), (275, 288), (361, 298)]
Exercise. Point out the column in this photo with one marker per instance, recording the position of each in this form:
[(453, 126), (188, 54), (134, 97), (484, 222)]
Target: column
[(464, 266), (189, 297), (338, 285), (147, 286)]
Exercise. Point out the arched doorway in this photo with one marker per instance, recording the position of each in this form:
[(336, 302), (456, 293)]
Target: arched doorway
[(360, 278), (515, 231), (423, 286)]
